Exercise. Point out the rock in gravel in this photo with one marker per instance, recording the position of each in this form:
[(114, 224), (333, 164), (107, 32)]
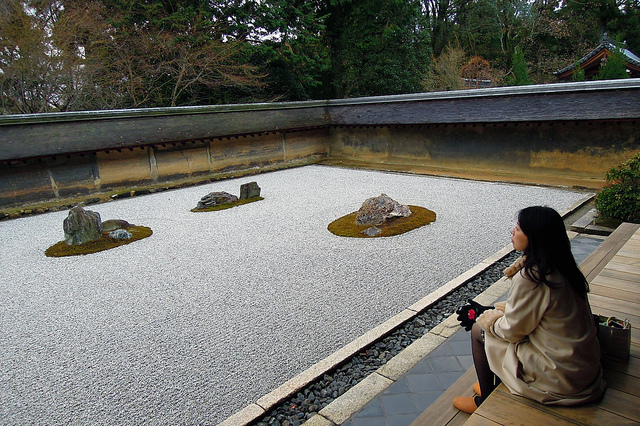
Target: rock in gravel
[(249, 190), (82, 226), (120, 234), (216, 198), (113, 224), (372, 231), (376, 210)]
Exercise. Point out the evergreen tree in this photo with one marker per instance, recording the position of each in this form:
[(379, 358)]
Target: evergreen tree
[(287, 42), (478, 29), (520, 73), (578, 72), (378, 47), (613, 67)]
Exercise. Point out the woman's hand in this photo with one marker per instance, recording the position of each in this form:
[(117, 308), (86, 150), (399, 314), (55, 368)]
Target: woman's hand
[(501, 306), (486, 320)]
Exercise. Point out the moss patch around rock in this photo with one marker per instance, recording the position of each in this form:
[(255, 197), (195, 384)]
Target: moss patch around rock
[(61, 249), (346, 225), (225, 206)]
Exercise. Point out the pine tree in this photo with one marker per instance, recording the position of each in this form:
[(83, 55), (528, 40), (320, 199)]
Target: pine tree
[(578, 72), (520, 72), (613, 67)]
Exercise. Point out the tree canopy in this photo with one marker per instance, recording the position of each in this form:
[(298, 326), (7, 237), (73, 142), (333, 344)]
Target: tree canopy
[(69, 55)]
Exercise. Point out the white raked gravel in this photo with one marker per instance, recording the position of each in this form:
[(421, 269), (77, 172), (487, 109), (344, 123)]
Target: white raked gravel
[(217, 309)]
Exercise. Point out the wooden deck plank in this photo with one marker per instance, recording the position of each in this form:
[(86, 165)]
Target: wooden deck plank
[(622, 306), (633, 242), (621, 403), (630, 366), (623, 267), (609, 312), (622, 382), (508, 409), (628, 249), (614, 292), (480, 421), (459, 419), (442, 411), (615, 408), (615, 283), (628, 257), (600, 412), (619, 275), (597, 260)]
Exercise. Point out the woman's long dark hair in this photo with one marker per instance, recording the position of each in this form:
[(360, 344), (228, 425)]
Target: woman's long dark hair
[(549, 249)]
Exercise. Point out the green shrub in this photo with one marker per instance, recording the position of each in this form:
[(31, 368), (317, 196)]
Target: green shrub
[(620, 198), (578, 72)]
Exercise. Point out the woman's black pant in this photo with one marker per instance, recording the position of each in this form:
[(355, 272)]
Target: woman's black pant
[(486, 378)]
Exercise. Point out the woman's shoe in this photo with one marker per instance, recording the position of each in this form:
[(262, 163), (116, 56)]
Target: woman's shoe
[(465, 403), (476, 388)]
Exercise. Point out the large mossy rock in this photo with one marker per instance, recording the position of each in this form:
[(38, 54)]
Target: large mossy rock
[(82, 226), (377, 210)]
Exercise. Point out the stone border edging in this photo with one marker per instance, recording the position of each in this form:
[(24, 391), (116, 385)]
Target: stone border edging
[(353, 400)]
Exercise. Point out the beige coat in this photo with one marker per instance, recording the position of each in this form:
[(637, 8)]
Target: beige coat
[(545, 345)]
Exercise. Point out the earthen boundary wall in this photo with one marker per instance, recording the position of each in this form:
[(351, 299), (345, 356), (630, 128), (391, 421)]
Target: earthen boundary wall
[(560, 134)]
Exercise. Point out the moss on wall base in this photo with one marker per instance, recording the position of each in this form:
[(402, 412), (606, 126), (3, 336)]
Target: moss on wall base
[(346, 225)]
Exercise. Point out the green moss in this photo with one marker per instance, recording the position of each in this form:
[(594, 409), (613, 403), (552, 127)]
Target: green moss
[(225, 206), (61, 249), (346, 225)]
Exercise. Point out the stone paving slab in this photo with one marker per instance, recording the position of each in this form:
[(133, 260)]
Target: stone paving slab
[(586, 225)]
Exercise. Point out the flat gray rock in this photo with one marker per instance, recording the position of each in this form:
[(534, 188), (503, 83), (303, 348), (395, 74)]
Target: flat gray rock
[(120, 234), (215, 199)]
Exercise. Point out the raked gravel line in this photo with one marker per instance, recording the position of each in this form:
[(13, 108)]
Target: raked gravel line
[(217, 309)]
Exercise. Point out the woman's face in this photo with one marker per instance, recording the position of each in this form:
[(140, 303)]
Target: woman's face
[(518, 239)]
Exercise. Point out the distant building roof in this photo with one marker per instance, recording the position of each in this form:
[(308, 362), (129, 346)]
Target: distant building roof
[(590, 63)]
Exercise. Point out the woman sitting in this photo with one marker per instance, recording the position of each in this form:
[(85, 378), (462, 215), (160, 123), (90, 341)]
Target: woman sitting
[(542, 342)]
